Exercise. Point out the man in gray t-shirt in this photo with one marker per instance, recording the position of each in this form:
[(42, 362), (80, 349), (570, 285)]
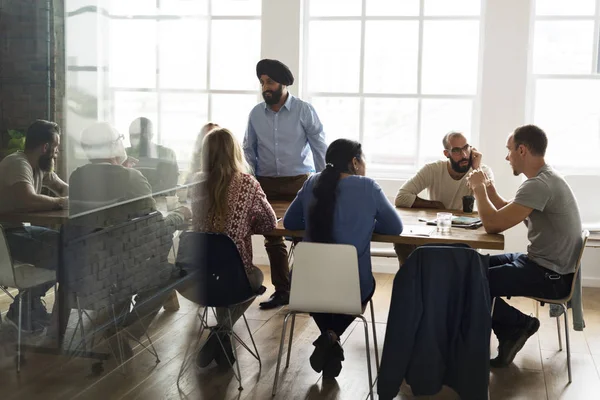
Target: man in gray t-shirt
[(547, 206), (22, 176)]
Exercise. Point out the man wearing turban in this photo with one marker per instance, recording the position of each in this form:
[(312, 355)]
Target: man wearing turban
[(284, 144)]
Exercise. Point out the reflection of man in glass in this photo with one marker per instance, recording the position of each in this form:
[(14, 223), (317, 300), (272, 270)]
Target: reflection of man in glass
[(284, 143), (141, 134), (445, 181)]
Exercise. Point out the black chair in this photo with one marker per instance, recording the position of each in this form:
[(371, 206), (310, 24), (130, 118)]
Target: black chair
[(221, 281)]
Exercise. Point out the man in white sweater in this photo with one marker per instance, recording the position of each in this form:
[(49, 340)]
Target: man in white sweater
[(445, 181)]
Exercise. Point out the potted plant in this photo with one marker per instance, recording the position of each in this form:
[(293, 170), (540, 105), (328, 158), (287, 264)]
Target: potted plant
[(16, 142)]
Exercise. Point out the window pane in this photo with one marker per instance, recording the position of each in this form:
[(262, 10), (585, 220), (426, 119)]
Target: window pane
[(132, 7), (184, 7), (132, 55), (235, 50), (390, 131), (450, 57), (82, 94), (183, 62), (236, 7), (131, 105), (231, 111), (569, 111), (454, 7), (334, 56), (392, 8), (339, 8), (391, 56), (562, 7), (183, 114), (339, 116), (439, 117), (563, 47), (81, 45)]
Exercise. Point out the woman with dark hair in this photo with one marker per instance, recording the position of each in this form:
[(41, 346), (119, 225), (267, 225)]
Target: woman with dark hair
[(341, 205)]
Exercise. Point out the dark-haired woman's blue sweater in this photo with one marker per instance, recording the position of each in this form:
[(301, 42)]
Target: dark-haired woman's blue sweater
[(361, 208)]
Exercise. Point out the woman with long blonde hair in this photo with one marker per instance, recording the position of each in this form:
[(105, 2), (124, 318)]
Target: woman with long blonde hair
[(226, 199)]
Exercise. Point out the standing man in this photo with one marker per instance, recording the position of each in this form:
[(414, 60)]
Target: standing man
[(22, 176), (284, 144)]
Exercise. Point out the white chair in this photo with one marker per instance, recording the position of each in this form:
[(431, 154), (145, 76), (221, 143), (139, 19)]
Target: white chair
[(564, 301), (326, 280), (585, 189), (20, 276)]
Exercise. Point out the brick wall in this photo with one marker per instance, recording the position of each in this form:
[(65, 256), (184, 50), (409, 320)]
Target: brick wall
[(32, 78)]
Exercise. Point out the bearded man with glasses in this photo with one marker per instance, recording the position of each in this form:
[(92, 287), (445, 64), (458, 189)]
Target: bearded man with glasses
[(444, 180)]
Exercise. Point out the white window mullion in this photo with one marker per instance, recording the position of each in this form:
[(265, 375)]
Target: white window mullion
[(208, 69), (419, 77), (361, 80), (596, 41)]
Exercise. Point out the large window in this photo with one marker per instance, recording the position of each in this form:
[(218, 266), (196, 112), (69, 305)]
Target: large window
[(565, 81), (179, 63), (395, 75)]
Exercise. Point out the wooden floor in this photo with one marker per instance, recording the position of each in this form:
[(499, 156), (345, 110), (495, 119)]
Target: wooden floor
[(539, 371)]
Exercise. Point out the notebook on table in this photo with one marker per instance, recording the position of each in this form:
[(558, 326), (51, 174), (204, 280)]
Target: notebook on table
[(458, 222)]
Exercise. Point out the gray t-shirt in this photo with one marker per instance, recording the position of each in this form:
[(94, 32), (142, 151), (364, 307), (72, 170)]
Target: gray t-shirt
[(554, 225), (15, 168)]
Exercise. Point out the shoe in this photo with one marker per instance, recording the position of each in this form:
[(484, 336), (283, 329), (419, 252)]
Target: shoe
[(224, 356), (508, 348), (321, 353), (171, 304), (208, 352), (278, 299), (333, 364), (40, 319)]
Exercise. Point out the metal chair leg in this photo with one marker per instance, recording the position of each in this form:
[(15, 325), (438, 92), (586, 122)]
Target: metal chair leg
[(19, 334), (30, 310), (253, 343), (289, 351), (568, 342), (233, 347), (280, 353), (366, 326), (374, 335), (558, 331)]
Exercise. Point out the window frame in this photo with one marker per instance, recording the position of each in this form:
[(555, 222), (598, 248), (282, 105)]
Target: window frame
[(396, 171), (533, 78)]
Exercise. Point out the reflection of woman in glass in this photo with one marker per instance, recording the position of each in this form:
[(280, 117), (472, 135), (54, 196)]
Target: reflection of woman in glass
[(196, 155)]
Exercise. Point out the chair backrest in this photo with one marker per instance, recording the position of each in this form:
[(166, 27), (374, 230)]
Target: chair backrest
[(7, 273), (585, 190), (111, 264), (585, 234), (325, 279), (215, 261), (162, 177)]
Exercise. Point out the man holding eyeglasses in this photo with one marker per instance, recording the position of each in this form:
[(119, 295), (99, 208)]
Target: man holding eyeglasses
[(445, 181)]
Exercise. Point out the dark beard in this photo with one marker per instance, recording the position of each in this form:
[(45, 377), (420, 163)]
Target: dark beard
[(456, 165), (45, 162), (275, 96)]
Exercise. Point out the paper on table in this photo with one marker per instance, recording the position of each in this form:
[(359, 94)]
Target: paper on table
[(418, 230)]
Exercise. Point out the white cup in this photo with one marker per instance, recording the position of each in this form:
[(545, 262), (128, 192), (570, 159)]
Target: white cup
[(172, 202), (182, 193), (444, 222)]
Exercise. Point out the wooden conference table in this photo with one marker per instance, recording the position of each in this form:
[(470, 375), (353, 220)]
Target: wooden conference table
[(476, 238)]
